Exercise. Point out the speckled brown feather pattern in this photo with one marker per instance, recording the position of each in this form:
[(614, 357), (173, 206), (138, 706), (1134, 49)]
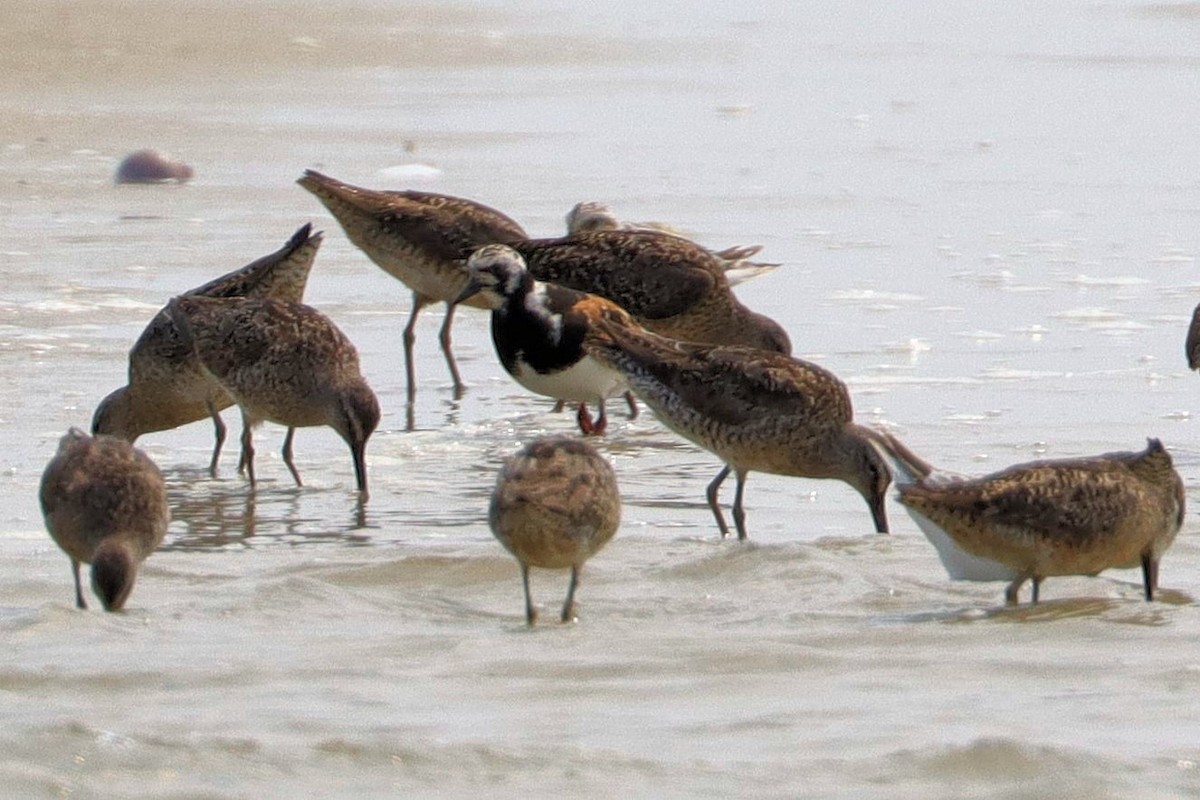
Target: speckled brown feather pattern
[(590, 216), (420, 238), (756, 410), (726, 397), (670, 285), (283, 362), (103, 494), (279, 359), (1061, 517), (423, 240), (555, 504), (167, 386)]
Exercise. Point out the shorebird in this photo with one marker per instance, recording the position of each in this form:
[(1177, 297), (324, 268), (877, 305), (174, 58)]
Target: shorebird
[(105, 504), (554, 506), (735, 262), (754, 409), (1075, 516), (167, 386), (420, 238), (670, 285), (282, 362), (539, 328)]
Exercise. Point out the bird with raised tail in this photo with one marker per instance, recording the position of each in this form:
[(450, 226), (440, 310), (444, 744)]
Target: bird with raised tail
[(756, 410), (105, 504), (167, 385), (735, 262), (538, 330), (1072, 516), (420, 238), (285, 363), (554, 506)]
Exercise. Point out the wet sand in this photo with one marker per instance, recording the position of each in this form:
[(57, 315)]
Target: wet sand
[(988, 230)]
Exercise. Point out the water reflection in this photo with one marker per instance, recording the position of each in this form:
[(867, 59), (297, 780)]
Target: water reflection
[(224, 514)]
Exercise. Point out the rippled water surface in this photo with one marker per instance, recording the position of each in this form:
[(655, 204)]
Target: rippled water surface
[(987, 218)]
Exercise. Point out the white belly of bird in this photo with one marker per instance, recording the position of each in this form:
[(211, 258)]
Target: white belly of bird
[(961, 565), (583, 382)]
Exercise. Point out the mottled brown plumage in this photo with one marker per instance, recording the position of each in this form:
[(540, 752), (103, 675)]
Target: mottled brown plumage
[(670, 285), (735, 262), (105, 504), (167, 386), (282, 362), (554, 506), (1076, 516), (420, 238), (755, 410)]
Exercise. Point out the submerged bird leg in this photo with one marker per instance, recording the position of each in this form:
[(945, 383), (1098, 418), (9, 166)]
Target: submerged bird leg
[(631, 401), (711, 494), (601, 420), (568, 609), (1010, 594), (530, 611), (79, 601), (444, 339), (219, 432), (410, 336), (1149, 575), (739, 513), (287, 455), (248, 448)]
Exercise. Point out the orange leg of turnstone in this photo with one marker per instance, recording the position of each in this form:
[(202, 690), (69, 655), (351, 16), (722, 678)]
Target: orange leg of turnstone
[(587, 425)]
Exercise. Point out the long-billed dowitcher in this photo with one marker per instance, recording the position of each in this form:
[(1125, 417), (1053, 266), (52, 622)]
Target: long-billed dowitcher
[(555, 505), (539, 328), (591, 215), (1074, 516), (670, 285), (420, 238), (105, 504), (282, 362), (754, 409), (167, 386)]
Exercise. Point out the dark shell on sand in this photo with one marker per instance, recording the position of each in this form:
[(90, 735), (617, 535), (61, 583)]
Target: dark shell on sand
[(149, 166)]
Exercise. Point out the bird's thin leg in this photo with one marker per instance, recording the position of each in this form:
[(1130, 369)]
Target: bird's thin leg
[(739, 513), (79, 601), (584, 418), (287, 455), (248, 448), (219, 433), (410, 336), (568, 610), (711, 494), (1011, 593), (530, 611), (1149, 575), (632, 402), (444, 338)]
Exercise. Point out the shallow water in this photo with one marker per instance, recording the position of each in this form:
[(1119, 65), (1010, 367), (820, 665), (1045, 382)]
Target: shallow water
[(986, 215)]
